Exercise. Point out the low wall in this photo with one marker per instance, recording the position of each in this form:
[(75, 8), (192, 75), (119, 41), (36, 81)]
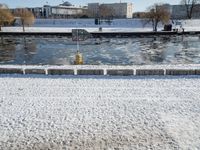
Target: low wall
[(101, 34), (11, 71), (181, 72), (34, 71), (120, 71), (90, 72), (150, 72), (60, 72)]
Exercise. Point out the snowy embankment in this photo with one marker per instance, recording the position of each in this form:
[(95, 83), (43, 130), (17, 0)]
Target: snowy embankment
[(117, 25), (39, 112), (69, 30)]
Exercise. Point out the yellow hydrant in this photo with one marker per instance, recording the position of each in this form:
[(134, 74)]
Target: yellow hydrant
[(78, 59)]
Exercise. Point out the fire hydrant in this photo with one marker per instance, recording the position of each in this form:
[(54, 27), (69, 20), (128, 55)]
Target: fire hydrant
[(78, 59)]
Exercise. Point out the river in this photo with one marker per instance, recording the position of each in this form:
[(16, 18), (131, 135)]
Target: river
[(38, 50)]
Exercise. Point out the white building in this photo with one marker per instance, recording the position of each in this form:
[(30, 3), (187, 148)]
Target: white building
[(120, 10), (65, 10)]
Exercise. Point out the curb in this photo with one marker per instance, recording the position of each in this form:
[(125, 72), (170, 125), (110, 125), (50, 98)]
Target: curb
[(101, 71)]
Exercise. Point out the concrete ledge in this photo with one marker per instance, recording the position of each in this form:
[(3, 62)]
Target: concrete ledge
[(98, 70), (197, 72), (90, 72), (99, 34), (180, 72), (35, 71), (143, 72), (60, 71), (11, 71), (125, 72)]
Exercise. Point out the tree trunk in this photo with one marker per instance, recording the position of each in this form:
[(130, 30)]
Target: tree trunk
[(155, 28), (189, 17), (153, 24), (189, 10), (189, 13), (156, 25), (23, 28)]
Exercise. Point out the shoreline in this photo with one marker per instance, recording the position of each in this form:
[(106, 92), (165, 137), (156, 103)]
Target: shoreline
[(95, 31), (103, 34)]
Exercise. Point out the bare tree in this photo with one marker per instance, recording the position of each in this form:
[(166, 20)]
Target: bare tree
[(190, 5), (156, 14), (27, 18), (6, 16)]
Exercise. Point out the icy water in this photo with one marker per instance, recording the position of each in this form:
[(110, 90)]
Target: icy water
[(108, 51)]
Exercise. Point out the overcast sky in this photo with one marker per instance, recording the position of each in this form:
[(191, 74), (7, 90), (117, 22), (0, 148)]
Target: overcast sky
[(139, 5)]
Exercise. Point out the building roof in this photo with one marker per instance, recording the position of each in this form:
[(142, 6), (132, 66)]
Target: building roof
[(66, 4)]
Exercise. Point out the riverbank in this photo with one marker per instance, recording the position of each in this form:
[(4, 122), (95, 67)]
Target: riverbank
[(95, 32), (40, 112), (125, 27)]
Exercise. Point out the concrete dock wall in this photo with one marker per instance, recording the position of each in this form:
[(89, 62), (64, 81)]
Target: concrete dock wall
[(11, 71), (180, 72), (144, 72), (60, 72), (35, 71), (90, 72), (197, 71), (120, 72), (101, 34), (100, 71)]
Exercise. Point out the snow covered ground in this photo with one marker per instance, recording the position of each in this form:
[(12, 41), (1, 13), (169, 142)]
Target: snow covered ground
[(117, 25), (68, 30), (60, 112)]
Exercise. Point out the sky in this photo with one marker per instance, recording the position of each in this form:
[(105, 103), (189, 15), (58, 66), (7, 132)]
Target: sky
[(138, 5)]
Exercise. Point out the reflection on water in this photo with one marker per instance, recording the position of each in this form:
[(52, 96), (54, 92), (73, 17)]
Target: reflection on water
[(7, 50), (153, 50), (29, 49), (116, 51)]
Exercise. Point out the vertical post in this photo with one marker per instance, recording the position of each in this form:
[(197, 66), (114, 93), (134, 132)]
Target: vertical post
[(77, 41)]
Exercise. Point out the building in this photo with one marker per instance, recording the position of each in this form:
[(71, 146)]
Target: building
[(93, 9), (180, 11), (119, 10), (37, 11), (65, 10)]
